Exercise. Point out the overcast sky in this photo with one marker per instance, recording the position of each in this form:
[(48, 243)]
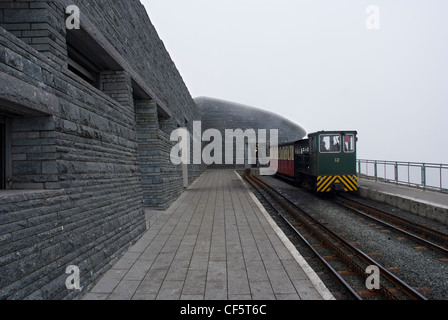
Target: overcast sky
[(316, 63)]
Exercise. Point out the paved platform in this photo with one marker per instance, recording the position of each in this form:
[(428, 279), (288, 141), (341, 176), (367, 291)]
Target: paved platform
[(216, 242), (431, 204)]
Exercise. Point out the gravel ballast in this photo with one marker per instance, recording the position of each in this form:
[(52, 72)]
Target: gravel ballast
[(417, 266)]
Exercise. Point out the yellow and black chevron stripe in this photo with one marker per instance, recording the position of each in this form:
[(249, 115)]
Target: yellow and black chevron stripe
[(325, 183)]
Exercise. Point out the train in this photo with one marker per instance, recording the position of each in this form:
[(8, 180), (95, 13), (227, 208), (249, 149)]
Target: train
[(324, 162)]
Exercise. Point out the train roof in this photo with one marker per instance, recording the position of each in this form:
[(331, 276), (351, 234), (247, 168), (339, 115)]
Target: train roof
[(316, 133), (334, 131)]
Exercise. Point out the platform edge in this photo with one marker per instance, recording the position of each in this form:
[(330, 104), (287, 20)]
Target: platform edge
[(312, 276)]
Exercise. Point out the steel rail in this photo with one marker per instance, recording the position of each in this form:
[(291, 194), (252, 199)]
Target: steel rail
[(401, 285), (369, 212), (334, 272)]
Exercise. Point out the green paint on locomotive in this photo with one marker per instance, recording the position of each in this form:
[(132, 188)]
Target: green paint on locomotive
[(325, 162), (332, 153)]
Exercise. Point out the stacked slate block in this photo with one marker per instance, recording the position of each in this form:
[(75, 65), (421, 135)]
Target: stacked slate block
[(85, 161), (40, 24)]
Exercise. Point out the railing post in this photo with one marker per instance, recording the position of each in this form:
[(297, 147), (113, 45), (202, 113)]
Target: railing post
[(426, 183), (423, 176), (409, 178), (396, 172), (376, 170)]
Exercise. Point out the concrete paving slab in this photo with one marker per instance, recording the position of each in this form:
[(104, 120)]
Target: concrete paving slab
[(215, 242)]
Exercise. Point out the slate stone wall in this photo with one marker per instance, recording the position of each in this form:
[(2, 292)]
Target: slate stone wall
[(40, 24), (145, 52), (85, 161)]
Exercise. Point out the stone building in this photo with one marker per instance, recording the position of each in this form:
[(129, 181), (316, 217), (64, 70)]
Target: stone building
[(85, 122), (221, 115)]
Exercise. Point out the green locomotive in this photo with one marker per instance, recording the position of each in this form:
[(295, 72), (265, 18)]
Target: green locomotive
[(326, 161)]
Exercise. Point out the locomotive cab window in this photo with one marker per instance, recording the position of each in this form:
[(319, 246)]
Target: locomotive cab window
[(330, 143), (301, 150), (349, 143)]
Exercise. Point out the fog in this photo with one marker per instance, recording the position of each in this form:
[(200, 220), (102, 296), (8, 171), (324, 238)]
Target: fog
[(318, 64)]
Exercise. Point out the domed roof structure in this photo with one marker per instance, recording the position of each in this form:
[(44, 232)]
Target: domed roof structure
[(222, 115)]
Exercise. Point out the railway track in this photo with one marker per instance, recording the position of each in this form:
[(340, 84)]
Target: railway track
[(430, 238), (346, 263)]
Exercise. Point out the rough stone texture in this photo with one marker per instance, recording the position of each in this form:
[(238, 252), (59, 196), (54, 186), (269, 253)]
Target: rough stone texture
[(40, 24), (222, 115), (213, 243), (83, 158), (87, 153)]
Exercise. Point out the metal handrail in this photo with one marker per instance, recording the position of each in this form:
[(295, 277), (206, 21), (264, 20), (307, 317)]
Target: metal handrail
[(427, 176)]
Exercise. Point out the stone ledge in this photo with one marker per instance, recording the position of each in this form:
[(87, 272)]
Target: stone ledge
[(14, 196), (421, 208)]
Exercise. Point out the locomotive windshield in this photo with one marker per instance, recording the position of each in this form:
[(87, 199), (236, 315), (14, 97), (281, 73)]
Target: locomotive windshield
[(329, 143), (349, 143)]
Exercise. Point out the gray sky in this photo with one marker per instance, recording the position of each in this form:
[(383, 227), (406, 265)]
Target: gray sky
[(316, 63)]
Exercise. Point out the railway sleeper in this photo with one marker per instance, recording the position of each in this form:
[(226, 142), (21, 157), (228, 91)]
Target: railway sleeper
[(389, 293)]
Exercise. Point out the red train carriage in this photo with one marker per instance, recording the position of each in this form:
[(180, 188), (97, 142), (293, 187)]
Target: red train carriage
[(325, 162), (286, 160)]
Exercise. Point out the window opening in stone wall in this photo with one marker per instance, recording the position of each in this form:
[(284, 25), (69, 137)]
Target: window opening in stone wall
[(86, 58), (82, 67), (165, 122), (161, 116)]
